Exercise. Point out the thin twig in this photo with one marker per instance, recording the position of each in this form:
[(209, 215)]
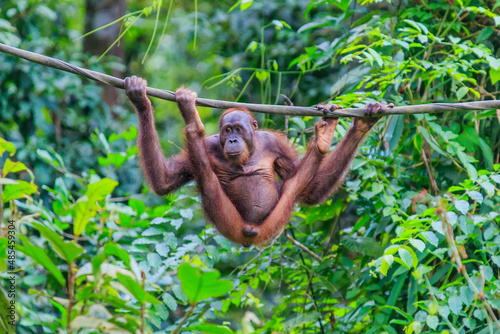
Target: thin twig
[(432, 180), (71, 293), (455, 256), (184, 319), (309, 285), (287, 117), (143, 303), (304, 248), (263, 108)]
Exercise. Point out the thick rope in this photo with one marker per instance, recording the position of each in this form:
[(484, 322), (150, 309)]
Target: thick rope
[(263, 108)]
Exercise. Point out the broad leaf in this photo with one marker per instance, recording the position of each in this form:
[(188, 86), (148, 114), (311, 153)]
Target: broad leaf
[(85, 207), (66, 249), (210, 329), (7, 146), (200, 284), (136, 289), (39, 256), (13, 167), (21, 189)]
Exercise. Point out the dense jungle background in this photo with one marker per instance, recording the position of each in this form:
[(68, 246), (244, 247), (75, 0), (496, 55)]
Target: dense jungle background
[(410, 244)]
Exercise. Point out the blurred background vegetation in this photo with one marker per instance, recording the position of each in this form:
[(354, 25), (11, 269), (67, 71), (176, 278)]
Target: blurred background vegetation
[(410, 244)]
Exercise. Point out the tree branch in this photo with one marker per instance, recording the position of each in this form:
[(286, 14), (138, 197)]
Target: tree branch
[(304, 248), (263, 108)]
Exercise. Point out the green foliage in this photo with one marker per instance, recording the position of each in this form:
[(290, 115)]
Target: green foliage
[(409, 244), (199, 284), (85, 207)]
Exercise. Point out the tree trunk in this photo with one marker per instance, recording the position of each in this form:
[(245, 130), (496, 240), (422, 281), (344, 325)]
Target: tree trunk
[(98, 14)]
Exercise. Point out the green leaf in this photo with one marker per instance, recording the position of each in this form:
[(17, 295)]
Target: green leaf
[(489, 187), (6, 306), (418, 244), (462, 206), (7, 146), (136, 289), (480, 314), (352, 293), (113, 249), (210, 329), (200, 284), (233, 7), (493, 62), (152, 231), (66, 249), (19, 190), (431, 238), (277, 24), (417, 327), (13, 167), (261, 75), (376, 56), (395, 292), (137, 205), (38, 255), (406, 257), (444, 311), (44, 155), (394, 131), (363, 245), (245, 4), (342, 4), (170, 302), (386, 263), (467, 295), (462, 92), (494, 75), (84, 210), (312, 25), (488, 273), (130, 134), (252, 46), (98, 190), (400, 311), (132, 286), (179, 294), (477, 196), (186, 213), (471, 170), (454, 40), (413, 256), (452, 218), (455, 303), (487, 153), (299, 321), (85, 207), (496, 260), (162, 249), (162, 311), (154, 260), (116, 159), (432, 321), (430, 141)]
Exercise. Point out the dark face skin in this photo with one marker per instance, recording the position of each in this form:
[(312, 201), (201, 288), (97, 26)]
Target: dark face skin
[(237, 136)]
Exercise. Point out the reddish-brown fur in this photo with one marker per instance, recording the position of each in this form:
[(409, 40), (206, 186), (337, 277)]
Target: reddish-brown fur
[(230, 110), (243, 196)]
